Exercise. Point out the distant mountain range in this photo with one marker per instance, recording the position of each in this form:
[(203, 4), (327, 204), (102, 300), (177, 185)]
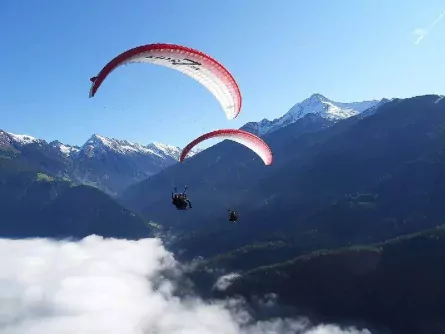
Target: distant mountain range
[(106, 163), (112, 165)]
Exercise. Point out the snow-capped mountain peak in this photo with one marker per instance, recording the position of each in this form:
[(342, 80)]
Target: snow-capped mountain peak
[(329, 109), (318, 97), (164, 149), (315, 104), (22, 139), (99, 141), (98, 144)]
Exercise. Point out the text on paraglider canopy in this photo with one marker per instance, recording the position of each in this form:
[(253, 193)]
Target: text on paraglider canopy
[(175, 61)]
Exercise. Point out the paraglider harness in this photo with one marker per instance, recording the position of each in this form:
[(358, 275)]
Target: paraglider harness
[(180, 200), (233, 216)]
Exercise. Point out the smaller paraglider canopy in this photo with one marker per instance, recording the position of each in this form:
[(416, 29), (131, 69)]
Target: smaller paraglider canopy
[(242, 137)]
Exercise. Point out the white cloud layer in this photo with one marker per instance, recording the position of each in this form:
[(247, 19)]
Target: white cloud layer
[(109, 286)]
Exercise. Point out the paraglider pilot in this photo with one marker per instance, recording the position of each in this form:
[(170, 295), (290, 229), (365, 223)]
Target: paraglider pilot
[(180, 200), (233, 216)]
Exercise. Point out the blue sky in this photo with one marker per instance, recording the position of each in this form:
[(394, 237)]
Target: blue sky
[(280, 53)]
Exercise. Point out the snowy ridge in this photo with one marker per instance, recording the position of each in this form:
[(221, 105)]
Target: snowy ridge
[(171, 150), (15, 142), (317, 104), (98, 144), (23, 139), (66, 150), (163, 150), (373, 109)]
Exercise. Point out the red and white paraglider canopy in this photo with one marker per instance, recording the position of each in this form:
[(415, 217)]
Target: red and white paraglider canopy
[(245, 138), (197, 65)]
